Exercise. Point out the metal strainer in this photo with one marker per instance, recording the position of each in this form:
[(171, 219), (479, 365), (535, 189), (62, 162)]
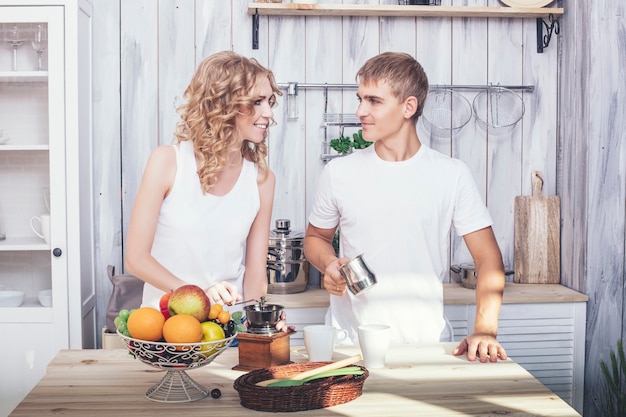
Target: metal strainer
[(498, 110), (446, 112)]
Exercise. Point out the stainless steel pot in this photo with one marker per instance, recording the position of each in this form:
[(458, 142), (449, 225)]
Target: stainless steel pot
[(467, 274), (287, 267)]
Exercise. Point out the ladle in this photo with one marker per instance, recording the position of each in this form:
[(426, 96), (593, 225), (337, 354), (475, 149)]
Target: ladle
[(244, 301)]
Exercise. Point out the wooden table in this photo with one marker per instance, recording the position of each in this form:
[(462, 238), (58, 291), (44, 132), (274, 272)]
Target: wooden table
[(417, 381)]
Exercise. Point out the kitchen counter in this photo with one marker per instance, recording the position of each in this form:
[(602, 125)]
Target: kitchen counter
[(418, 380), (452, 294)]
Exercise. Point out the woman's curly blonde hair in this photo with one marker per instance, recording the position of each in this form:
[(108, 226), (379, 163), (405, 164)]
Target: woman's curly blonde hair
[(222, 85)]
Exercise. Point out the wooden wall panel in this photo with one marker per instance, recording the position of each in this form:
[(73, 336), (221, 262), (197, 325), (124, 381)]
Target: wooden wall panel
[(469, 67), (214, 25), (324, 57), (139, 94), (504, 67), (604, 103), (176, 61), (106, 147), (287, 157)]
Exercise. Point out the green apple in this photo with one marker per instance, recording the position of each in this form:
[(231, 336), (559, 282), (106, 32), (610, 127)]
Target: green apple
[(211, 332)]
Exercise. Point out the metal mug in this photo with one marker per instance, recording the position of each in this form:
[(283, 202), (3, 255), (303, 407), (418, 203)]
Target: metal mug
[(357, 275)]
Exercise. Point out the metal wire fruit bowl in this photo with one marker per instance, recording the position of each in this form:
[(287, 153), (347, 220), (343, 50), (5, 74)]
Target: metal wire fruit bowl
[(446, 112), (498, 110), (176, 358)]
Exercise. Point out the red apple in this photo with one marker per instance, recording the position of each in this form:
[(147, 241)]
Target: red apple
[(190, 299), (163, 304)]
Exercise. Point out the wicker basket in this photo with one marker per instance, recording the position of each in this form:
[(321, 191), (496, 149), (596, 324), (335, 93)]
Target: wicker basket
[(317, 393)]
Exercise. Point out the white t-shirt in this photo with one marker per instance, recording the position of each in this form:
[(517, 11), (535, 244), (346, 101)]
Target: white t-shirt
[(201, 238), (399, 216)]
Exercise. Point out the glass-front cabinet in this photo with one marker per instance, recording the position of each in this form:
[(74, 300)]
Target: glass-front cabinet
[(46, 245)]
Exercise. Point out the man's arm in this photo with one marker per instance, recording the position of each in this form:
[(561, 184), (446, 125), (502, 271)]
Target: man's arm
[(482, 342), (319, 251)]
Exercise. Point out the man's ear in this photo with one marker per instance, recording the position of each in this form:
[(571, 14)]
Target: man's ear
[(410, 107)]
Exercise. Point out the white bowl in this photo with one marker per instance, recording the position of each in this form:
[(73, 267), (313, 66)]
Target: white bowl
[(45, 297), (11, 298), (4, 140)]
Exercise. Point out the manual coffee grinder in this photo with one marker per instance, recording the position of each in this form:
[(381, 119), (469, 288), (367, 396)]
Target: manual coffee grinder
[(262, 346)]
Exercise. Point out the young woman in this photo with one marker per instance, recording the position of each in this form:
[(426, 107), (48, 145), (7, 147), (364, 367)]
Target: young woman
[(203, 209)]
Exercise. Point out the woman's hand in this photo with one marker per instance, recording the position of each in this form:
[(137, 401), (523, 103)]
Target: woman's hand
[(281, 325), (223, 293)]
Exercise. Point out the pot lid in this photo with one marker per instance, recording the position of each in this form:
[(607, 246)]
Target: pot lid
[(283, 231), (526, 3)]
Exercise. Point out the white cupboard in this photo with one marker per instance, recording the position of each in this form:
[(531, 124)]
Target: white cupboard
[(45, 172)]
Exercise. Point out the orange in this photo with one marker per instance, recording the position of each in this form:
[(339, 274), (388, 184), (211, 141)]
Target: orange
[(223, 317), (146, 323), (215, 310), (182, 328)]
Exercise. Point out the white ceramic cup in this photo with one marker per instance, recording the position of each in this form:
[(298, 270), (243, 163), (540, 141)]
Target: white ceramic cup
[(319, 341), (44, 226), (374, 343)]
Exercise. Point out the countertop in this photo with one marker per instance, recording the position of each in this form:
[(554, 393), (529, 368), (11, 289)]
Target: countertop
[(452, 294), (417, 380)]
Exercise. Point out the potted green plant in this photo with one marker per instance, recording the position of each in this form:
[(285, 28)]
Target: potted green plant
[(614, 405), (344, 144)]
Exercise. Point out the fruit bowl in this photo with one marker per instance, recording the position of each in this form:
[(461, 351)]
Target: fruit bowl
[(176, 358)]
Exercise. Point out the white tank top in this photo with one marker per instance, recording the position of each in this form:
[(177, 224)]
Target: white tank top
[(201, 238)]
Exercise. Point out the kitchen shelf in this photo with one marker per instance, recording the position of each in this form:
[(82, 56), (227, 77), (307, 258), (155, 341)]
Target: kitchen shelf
[(24, 148), (23, 244), (387, 10), (29, 312), (24, 76), (364, 10)]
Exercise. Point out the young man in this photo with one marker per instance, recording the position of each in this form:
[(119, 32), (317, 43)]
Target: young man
[(395, 203)]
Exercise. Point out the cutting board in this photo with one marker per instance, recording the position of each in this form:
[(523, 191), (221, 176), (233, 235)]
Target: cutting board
[(537, 236)]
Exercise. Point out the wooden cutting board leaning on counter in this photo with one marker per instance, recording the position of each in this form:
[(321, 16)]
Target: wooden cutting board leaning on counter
[(537, 236)]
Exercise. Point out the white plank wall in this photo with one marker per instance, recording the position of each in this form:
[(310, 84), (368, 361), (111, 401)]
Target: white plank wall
[(145, 53), (592, 159)]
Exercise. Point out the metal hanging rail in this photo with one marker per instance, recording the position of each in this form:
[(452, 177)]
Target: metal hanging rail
[(528, 88), (350, 120)]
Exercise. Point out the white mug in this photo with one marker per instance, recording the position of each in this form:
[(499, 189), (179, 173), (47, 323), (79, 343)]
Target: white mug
[(319, 341), (374, 343), (44, 226)]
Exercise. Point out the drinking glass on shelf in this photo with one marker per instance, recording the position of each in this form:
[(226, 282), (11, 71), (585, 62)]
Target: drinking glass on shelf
[(14, 36), (39, 42)]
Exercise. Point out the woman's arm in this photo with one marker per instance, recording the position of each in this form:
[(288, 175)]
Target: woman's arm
[(255, 278), (155, 185)]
